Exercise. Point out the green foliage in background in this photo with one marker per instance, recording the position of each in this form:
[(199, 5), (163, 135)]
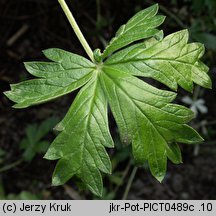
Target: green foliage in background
[(33, 143)]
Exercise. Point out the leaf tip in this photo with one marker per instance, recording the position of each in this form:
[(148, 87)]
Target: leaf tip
[(19, 106), (7, 93), (45, 51), (51, 53), (48, 156), (160, 177), (209, 84), (99, 193), (56, 181), (156, 5), (25, 64), (59, 127), (52, 154), (162, 18), (186, 34), (197, 139), (201, 139)]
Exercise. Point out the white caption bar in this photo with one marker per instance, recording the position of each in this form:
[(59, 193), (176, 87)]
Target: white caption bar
[(108, 208)]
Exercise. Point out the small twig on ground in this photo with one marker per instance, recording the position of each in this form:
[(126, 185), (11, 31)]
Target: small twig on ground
[(72, 193), (17, 35)]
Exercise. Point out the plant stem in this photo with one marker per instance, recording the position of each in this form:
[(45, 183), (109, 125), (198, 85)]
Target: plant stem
[(98, 12), (196, 93), (10, 166), (125, 173), (76, 29), (130, 181)]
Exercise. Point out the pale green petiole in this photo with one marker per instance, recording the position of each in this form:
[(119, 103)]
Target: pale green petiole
[(76, 29)]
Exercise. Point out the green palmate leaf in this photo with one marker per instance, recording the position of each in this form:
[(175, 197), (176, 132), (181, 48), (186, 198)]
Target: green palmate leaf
[(171, 61), (81, 144), (142, 25), (67, 73), (144, 114), (145, 117)]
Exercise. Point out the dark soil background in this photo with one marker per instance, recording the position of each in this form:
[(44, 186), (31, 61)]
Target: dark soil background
[(42, 24)]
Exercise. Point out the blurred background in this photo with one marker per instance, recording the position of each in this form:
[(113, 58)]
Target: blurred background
[(29, 26)]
